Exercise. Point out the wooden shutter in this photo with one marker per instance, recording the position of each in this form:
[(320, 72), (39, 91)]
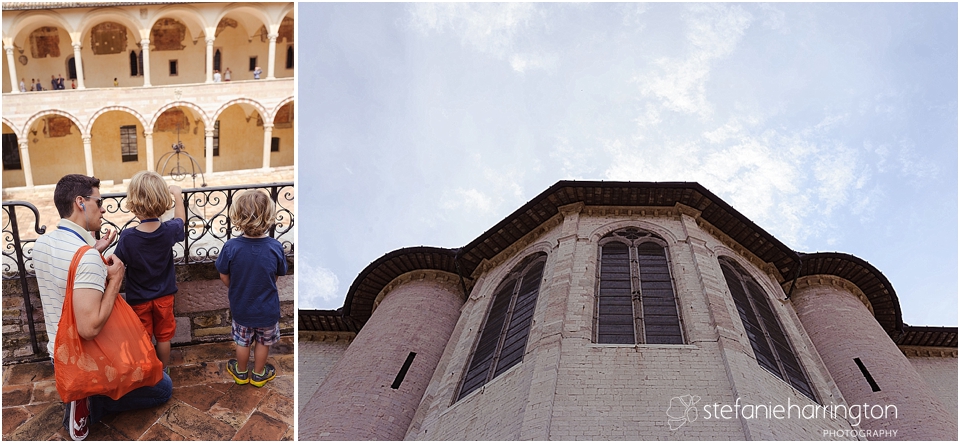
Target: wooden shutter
[(661, 322), (791, 371), (761, 348), (515, 340), (615, 318), (479, 367), (770, 344), (503, 338)]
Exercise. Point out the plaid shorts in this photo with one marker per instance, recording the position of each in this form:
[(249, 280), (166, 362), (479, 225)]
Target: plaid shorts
[(244, 336)]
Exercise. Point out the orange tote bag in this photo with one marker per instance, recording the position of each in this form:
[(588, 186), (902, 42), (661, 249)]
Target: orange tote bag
[(119, 359)]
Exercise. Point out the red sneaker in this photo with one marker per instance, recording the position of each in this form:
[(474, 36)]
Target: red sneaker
[(76, 419)]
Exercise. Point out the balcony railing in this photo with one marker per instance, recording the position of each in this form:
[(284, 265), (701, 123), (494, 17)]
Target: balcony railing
[(208, 227)]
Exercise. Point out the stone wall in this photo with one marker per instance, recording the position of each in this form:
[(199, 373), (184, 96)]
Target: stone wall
[(569, 388), (201, 308), (938, 371), (316, 356)]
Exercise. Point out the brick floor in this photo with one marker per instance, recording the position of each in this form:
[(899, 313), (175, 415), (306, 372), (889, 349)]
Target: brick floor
[(206, 403)]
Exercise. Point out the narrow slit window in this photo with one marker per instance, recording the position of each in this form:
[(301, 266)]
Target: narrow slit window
[(174, 68), (403, 371), (866, 375)]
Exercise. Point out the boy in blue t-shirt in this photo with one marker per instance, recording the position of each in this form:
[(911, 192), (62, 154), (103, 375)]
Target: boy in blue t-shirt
[(249, 266), (147, 250)]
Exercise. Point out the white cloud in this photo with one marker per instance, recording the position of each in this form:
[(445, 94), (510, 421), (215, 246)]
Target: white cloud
[(318, 286), (714, 30), (523, 62), (489, 28), (470, 200)]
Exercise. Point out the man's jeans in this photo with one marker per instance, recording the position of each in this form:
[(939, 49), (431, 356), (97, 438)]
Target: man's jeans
[(140, 398)]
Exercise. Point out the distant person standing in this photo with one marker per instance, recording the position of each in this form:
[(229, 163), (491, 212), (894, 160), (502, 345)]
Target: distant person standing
[(226, 75), (53, 82), (60, 83), (216, 76), (23, 86), (256, 73), (73, 83), (115, 82), (39, 86)]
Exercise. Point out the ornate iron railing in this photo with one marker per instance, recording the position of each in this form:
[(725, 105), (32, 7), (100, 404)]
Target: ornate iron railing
[(208, 223), (18, 252), (208, 227)]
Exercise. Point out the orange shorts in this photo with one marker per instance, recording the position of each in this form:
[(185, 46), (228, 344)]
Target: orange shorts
[(157, 317)]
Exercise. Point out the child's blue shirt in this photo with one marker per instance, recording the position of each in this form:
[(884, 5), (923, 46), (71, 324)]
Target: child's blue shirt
[(253, 265), (149, 260)]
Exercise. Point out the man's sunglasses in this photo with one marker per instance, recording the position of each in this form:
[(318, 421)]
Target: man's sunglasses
[(99, 200)]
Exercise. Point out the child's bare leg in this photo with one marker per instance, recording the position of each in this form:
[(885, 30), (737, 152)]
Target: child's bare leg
[(163, 353), (260, 353), (243, 357)]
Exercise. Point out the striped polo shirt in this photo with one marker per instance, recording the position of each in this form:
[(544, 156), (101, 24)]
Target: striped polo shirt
[(52, 254)]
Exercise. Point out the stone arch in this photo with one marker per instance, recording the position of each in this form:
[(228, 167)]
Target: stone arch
[(125, 109), (763, 279), (180, 104), (244, 101), (35, 19), (12, 127), (33, 119), (504, 268), (276, 109), (116, 15), (665, 234), (189, 15), (249, 13)]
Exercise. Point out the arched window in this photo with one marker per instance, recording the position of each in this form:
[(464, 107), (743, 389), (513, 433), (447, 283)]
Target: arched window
[(290, 57), (769, 343), (216, 60), (72, 68), (134, 64), (636, 302), (503, 338)]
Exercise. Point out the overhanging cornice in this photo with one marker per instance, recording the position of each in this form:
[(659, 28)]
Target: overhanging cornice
[(358, 305)]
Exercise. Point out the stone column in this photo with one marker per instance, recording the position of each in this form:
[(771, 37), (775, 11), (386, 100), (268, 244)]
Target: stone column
[(271, 55), (208, 148), (88, 154), (25, 162), (145, 47), (842, 329), (79, 63), (560, 319), (210, 41), (357, 401), (148, 138), (14, 81), (267, 136)]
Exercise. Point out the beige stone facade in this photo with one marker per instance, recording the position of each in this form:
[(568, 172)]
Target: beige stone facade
[(164, 58), (569, 387)]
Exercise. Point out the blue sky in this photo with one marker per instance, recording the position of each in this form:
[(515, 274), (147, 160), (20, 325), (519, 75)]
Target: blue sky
[(832, 126)]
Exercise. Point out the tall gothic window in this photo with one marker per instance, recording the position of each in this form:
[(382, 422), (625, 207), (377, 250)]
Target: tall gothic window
[(769, 343), (503, 338), (636, 302)]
